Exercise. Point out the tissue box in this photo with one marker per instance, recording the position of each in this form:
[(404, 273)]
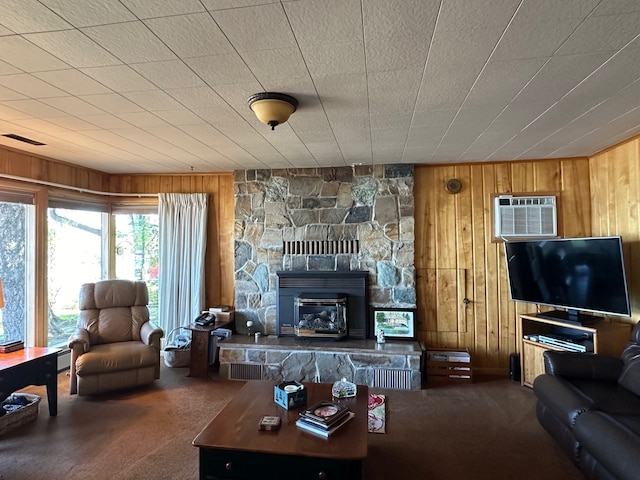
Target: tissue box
[(289, 400)]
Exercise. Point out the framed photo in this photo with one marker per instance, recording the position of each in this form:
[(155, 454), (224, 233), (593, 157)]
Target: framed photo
[(396, 323)]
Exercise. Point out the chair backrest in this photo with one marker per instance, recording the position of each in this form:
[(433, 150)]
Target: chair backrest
[(113, 310)]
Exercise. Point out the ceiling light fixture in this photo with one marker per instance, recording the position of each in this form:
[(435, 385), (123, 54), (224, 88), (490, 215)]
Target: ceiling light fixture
[(272, 108)]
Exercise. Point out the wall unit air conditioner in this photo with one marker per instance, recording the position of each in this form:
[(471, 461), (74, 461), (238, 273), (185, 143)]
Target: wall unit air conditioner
[(531, 216)]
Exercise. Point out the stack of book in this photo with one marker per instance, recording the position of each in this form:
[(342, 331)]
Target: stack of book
[(324, 418), (11, 346)]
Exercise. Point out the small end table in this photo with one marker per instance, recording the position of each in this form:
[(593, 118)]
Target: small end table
[(200, 345)]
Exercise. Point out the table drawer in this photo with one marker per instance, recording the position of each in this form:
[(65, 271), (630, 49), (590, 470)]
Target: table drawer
[(229, 464)]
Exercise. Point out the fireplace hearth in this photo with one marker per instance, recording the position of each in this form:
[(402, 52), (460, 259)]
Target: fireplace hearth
[(325, 304)]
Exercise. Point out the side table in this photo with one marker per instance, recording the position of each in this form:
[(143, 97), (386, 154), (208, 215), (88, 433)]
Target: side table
[(201, 344)]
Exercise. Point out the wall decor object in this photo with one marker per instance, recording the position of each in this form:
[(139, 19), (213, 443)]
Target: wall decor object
[(396, 323)]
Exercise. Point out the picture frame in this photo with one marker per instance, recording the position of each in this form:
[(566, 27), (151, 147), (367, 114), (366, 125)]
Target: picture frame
[(396, 323)]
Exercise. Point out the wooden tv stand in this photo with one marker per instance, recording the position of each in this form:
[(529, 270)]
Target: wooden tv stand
[(608, 339)]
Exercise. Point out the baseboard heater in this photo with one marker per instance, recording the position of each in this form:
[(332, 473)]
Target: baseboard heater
[(245, 371), (392, 378)]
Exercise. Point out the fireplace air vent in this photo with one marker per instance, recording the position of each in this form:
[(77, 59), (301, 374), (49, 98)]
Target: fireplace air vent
[(321, 247)]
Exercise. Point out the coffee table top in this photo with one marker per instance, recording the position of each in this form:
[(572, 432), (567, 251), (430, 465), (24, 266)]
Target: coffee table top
[(11, 359), (236, 426)]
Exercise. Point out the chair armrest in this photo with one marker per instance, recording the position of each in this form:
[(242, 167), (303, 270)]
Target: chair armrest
[(561, 398), (585, 366), (151, 335), (79, 338)]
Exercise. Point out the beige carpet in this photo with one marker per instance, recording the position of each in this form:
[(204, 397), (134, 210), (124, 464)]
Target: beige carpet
[(486, 430)]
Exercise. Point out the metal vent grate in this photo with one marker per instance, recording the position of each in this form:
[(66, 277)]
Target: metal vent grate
[(525, 216), (245, 371), (391, 378), (23, 139), (321, 247)]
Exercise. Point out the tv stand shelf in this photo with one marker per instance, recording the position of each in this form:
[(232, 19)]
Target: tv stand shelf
[(608, 338)]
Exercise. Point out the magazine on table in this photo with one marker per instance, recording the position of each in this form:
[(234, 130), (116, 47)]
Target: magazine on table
[(315, 429), (324, 413)]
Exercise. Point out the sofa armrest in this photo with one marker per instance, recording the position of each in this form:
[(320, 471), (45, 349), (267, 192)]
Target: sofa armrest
[(79, 338), (585, 366), (151, 334), (561, 397)]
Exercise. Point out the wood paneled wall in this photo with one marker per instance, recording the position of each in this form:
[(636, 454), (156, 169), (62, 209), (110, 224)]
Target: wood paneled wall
[(219, 257), (456, 258), (615, 206)]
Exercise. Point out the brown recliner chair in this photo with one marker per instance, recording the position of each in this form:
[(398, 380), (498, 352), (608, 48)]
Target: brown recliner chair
[(114, 346)]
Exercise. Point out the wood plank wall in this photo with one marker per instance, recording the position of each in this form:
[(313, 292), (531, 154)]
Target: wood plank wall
[(219, 257), (615, 206), (457, 258)]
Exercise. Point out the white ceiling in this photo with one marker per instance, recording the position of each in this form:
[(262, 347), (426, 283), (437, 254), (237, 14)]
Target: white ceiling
[(161, 85)]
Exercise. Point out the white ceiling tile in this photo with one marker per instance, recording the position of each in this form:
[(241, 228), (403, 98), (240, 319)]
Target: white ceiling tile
[(334, 58), (40, 125), (142, 119), (540, 11), (130, 42), (74, 48), (605, 33), (153, 8), (221, 69), (465, 46), (72, 123), (106, 121), (331, 21), (72, 106), (275, 65), (35, 108), (153, 100), (445, 87), (8, 94), (30, 86), (226, 4), (179, 117), (558, 76), (119, 78), (169, 74), (466, 14), (190, 36), (85, 13), (6, 69), (112, 103), (396, 53), (72, 81), (529, 40), (26, 56), (261, 27), (10, 113), (615, 7), (27, 16), (198, 97), (500, 82), (415, 18)]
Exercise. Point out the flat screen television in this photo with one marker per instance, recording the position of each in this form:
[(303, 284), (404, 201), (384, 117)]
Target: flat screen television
[(575, 274)]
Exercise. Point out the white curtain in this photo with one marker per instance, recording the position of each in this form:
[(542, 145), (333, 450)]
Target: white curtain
[(182, 245)]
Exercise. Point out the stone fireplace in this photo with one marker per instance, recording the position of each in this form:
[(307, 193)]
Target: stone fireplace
[(347, 219)]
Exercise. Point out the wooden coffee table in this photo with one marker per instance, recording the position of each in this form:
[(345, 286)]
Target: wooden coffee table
[(30, 366), (231, 446)]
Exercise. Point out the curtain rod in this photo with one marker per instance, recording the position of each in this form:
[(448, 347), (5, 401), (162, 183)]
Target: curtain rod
[(77, 189)]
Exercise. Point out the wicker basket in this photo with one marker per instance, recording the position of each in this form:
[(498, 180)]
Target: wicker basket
[(176, 356), (23, 415)]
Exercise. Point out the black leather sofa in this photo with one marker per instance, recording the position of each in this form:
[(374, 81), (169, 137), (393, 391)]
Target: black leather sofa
[(590, 404)]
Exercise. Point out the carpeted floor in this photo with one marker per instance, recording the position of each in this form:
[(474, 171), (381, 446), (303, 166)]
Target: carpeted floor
[(485, 430)]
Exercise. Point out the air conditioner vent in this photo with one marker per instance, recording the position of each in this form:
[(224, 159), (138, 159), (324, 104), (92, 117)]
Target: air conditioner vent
[(532, 216)]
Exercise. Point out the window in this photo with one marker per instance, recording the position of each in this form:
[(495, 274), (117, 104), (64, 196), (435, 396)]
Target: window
[(17, 247), (136, 251), (76, 242)]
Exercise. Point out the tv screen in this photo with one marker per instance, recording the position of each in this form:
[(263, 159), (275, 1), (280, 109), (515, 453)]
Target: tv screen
[(578, 274)]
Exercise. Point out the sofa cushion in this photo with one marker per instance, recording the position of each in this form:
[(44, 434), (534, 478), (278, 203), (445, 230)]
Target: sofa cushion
[(609, 397), (115, 357), (613, 441), (630, 376)]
